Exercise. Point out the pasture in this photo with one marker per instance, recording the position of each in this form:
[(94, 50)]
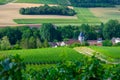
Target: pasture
[(83, 16), (111, 52), (64, 2), (45, 55)]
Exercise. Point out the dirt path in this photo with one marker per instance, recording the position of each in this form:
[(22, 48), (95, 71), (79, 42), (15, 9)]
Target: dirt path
[(10, 11), (90, 52)]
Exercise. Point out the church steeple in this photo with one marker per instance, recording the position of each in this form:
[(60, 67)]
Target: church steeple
[(81, 37)]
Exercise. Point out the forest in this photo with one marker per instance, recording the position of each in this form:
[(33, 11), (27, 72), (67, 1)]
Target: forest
[(48, 10), (95, 3)]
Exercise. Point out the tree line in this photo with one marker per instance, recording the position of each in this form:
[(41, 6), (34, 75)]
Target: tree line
[(95, 3), (48, 10), (27, 37)]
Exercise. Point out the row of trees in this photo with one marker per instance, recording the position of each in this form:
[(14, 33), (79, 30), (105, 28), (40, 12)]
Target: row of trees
[(27, 37), (42, 10), (95, 3)]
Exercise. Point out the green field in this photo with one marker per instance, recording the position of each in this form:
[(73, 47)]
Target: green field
[(83, 14), (112, 52), (43, 56), (5, 1), (65, 2)]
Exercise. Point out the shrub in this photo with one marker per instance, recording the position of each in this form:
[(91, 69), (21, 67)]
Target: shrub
[(117, 44), (107, 43), (85, 43), (75, 45)]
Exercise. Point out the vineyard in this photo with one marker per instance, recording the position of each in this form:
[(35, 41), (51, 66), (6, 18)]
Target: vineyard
[(44, 56)]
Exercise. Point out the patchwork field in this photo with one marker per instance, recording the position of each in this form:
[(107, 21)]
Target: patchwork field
[(105, 14), (83, 16), (11, 11), (47, 55), (64, 2)]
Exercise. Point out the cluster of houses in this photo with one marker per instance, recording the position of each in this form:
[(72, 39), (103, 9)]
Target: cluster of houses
[(80, 40)]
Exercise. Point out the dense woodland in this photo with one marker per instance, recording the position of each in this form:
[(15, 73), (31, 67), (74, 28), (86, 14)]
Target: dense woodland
[(48, 10), (94, 3)]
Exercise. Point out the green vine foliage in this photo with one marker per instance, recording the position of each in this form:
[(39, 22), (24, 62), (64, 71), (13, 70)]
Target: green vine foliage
[(87, 69), (11, 68)]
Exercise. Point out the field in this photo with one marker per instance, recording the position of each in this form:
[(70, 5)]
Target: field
[(43, 56), (112, 52), (65, 2), (83, 16), (5, 1), (7, 19), (105, 14)]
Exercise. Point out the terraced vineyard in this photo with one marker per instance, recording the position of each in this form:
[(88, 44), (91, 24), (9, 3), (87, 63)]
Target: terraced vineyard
[(65, 2), (83, 14), (44, 56)]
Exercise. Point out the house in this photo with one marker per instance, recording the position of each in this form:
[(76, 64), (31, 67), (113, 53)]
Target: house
[(115, 40), (72, 41), (97, 42), (53, 44), (63, 43)]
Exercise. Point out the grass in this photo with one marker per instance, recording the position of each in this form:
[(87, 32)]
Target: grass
[(112, 52), (83, 14), (4, 1), (47, 55), (65, 2)]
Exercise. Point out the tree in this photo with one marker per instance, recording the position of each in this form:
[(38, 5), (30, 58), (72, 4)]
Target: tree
[(38, 43), (24, 43), (46, 44), (107, 43), (5, 43), (48, 32), (32, 43), (111, 29), (88, 31)]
